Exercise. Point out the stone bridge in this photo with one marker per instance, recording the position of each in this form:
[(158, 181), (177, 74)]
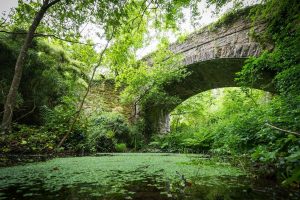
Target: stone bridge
[(212, 56)]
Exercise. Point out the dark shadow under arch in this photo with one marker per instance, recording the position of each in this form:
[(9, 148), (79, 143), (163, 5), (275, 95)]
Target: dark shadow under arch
[(203, 76)]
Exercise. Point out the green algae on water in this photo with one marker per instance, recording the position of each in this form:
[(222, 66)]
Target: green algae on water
[(116, 176)]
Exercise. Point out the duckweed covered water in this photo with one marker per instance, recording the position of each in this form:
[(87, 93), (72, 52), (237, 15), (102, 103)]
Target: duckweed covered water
[(133, 176)]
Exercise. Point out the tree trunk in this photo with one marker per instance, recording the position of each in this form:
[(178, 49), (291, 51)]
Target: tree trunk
[(77, 114), (11, 97)]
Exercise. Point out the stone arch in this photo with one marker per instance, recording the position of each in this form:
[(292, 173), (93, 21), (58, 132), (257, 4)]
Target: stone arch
[(204, 76)]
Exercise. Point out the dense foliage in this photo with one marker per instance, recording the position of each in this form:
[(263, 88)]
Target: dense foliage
[(51, 73), (53, 82), (233, 124)]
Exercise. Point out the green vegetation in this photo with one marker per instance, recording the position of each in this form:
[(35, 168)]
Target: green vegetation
[(232, 124), (61, 93)]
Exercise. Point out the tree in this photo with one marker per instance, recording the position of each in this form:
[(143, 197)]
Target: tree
[(11, 97)]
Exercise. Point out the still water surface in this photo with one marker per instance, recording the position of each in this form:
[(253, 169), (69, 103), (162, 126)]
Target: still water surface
[(139, 176)]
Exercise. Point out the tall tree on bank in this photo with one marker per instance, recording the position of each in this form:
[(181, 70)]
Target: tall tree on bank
[(11, 97)]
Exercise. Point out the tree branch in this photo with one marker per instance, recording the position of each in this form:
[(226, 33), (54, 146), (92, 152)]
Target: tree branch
[(280, 129), (182, 113), (31, 111), (48, 35), (52, 3)]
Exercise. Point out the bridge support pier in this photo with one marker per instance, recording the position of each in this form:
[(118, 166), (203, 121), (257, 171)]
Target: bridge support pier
[(164, 122), (157, 121)]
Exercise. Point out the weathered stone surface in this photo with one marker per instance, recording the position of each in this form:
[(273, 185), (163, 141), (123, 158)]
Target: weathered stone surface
[(226, 42), (103, 97)]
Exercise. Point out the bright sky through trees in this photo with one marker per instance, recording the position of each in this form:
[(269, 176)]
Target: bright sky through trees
[(185, 26)]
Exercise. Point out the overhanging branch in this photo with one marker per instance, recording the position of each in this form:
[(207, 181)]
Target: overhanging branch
[(49, 35), (280, 129)]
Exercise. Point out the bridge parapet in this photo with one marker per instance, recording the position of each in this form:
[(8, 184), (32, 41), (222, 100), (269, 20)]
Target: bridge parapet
[(228, 41)]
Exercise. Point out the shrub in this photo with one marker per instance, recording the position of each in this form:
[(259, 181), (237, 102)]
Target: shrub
[(121, 147), (106, 130)]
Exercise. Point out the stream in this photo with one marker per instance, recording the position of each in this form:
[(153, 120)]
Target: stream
[(139, 176)]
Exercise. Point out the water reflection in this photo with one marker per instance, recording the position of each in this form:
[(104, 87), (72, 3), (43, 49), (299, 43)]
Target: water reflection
[(155, 188)]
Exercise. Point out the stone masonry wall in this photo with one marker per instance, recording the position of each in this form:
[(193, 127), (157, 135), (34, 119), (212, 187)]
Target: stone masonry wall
[(228, 41)]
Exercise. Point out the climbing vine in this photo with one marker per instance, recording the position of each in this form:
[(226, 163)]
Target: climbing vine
[(281, 41)]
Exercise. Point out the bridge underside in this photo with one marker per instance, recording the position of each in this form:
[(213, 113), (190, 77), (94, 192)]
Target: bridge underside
[(206, 75), (211, 74)]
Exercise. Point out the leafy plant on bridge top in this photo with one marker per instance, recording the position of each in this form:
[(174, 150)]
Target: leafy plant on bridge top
[(145, 81)]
